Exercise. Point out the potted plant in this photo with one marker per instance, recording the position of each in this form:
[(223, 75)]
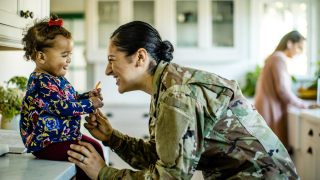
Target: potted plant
[(251, 82), (10, 102)]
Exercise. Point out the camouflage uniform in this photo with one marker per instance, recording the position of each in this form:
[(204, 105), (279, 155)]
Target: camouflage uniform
[(200, 121)]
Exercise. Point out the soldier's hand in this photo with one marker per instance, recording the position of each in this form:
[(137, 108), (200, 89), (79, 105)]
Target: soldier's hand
[(92, 163), (97, 103), (99, 126)]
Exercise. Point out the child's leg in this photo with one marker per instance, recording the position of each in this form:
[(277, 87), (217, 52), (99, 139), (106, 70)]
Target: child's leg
[(58, 152), (55, 151)]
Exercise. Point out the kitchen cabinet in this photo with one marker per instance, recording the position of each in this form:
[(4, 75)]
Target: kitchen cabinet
[(192, 26), (304, 138), (206, 30), (15, 15)]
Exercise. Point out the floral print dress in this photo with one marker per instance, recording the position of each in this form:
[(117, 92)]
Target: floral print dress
[(50, 111)]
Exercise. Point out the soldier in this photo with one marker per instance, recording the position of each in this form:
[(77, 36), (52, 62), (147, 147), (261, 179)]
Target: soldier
[(198, 120)]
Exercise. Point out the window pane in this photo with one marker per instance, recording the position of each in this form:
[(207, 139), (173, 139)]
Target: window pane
[(144, 11), (108, 21), (222, 23), (279, 18), (187, 23)]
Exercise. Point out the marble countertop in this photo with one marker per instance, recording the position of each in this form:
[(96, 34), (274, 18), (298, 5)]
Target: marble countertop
[(26, 166)]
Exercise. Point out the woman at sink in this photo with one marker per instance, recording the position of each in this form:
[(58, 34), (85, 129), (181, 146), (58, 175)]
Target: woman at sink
[(273, 91)]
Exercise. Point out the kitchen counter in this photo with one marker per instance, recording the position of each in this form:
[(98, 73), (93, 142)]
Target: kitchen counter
[(311, 114), (26, 166)]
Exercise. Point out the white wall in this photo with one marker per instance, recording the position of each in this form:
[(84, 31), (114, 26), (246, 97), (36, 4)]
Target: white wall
[(13, 64)]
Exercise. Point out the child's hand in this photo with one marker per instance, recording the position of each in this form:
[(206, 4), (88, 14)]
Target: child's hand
[(96, 93), (97, 103)]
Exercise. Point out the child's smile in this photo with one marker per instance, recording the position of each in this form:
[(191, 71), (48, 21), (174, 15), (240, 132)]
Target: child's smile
[(57, 58)]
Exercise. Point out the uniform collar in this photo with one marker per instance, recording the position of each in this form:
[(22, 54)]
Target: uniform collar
[(157, 75)]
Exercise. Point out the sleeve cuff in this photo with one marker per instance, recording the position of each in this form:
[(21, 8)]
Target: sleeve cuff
[(87, 105), (115, 137), (107, 173), (83, 96)]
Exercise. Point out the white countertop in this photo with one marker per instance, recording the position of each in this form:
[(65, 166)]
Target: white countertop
[(26, 166), (311, 114)]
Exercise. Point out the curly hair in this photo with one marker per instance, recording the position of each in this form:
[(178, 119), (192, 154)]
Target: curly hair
[(40, 35)]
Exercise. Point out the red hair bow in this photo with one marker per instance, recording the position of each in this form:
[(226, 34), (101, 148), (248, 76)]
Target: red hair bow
[(58, 22)]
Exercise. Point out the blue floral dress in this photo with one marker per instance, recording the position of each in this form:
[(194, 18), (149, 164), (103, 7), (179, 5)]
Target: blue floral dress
[(50, 111)]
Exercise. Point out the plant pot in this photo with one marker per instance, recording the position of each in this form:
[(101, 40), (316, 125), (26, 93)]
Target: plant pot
[(14, 124)]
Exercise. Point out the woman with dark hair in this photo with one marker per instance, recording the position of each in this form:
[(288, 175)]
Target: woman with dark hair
[(273, 92), (198, 120)]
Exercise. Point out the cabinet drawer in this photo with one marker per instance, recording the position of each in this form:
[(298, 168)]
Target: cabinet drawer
[(311, 131)]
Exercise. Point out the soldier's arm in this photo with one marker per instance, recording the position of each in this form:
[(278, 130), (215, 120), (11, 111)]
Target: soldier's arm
[(177, 145), (136, 152)]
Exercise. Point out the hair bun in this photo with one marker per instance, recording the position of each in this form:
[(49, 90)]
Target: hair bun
[(54, 17), (166, 51)]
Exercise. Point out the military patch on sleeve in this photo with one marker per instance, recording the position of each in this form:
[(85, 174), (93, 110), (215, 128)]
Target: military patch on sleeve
[(171, 125)]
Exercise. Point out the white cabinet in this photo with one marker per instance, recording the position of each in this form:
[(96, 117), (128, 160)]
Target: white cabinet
[(12, 22), (205, 30), (311, 146), (304, 137)]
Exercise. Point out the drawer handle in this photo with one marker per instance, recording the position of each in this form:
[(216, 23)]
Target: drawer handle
[(145, 137), (109, 115), (309, 150), (310, 132), (145, 115)]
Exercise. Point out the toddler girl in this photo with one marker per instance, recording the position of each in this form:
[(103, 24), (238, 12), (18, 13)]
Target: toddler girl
[(51, 109)]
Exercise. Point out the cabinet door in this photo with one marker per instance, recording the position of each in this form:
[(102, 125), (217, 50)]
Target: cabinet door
[(34, 7), (210, 30), (102, 18), (108, 21), (187, 23), (222, 23), (10, 13), (11, 22), (310, 155), (144, 11)]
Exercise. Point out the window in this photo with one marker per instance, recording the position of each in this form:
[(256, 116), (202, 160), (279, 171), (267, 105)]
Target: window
[(278, 19)]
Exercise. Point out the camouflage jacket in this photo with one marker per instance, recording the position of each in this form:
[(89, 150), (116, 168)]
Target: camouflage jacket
[(200, 121)]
